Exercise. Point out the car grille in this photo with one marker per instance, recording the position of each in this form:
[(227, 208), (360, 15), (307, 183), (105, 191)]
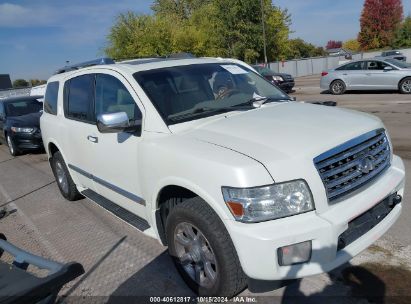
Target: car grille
[(353, 164)]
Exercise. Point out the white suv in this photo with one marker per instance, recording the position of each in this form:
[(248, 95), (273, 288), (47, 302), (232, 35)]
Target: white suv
[(244, 185)]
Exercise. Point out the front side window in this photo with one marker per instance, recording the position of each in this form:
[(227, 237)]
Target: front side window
[(376, 65), (79, 94), (184, 93), (50, 99), (112, 96), (22, 107)]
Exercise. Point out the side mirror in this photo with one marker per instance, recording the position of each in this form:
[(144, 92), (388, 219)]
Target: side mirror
[(116, 123), (388, 68)]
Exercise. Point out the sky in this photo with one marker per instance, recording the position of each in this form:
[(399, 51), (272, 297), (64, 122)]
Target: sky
[(37, 37)]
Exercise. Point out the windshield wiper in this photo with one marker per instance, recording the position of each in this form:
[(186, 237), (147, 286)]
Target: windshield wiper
[(202, 110)]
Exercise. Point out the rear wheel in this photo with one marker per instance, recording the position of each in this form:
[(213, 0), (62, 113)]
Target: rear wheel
[(64, 181), (337, 87), (12, 146), (202, 250), (405, 86)]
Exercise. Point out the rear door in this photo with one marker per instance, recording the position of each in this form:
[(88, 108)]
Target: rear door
[(79, 131), (2, 121), (380, 79), (354, 75)]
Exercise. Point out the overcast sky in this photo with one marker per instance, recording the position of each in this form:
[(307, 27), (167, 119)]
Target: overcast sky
[(37, 37)]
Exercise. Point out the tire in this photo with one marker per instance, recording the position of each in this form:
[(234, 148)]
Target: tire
[(205, 255), (405, 86), (337, 87), (64, 181), (12, 147)]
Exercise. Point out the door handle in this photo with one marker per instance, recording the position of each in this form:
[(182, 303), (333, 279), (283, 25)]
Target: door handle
[(345, 74), (93, 139)]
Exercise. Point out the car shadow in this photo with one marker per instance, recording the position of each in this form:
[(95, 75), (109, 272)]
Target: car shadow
[(347, 283), (379, 92), (158, 278)]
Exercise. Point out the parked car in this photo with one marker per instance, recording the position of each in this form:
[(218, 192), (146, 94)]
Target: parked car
[(244, 185), (393, 55), (284, 81), (20, 123), (370, 74)]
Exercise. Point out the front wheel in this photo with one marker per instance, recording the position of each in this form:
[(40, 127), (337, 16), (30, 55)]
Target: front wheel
[(337, 87), (202, 250), (405, 86), (12, 146)]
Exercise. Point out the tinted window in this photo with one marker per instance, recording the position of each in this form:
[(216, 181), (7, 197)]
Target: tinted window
[(22, 107), (1, 110), (376, 65), (80, 98), (50, 100), (354, 66), (112, 96)]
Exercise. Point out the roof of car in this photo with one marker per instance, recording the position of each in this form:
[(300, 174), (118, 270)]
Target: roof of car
[(142, 64), (20, 98)]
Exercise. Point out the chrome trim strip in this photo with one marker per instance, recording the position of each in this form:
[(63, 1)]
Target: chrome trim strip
[(110, 186), (347, 145)]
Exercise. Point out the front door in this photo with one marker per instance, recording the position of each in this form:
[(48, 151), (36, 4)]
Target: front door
[(380, 79), (115, 160)]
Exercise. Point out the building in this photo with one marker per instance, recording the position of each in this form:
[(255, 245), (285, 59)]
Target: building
[(5, 82)]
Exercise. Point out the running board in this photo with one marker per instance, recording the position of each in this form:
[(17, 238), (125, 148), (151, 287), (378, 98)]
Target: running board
[(125, 215)]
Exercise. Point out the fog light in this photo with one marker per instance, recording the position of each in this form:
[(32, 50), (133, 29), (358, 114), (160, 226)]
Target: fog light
[(294, 254)]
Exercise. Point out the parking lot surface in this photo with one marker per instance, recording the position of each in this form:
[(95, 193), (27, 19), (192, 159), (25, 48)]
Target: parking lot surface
[(122, 262)]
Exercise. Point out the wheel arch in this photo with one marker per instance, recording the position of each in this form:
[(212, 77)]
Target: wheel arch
[(183, 191)]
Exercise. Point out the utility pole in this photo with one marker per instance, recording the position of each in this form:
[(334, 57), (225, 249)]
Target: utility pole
[(264, 38)]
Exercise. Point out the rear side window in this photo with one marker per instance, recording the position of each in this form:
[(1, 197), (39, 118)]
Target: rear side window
[(79, 95), (354, 66), (50, 99)]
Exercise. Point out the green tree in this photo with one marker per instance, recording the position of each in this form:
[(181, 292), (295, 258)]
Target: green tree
[(403, 37), (301, 49), (228, 28), (352, 45), (20, 83)]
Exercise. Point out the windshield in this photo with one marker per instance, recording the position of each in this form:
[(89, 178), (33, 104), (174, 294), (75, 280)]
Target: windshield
[(184, 93), (398, 63), (22, 107)]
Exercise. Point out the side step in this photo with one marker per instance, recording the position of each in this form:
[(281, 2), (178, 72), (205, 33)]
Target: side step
[(125, 215)]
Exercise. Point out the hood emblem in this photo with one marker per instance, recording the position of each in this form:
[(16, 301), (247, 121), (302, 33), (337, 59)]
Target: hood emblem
[(366, 164)]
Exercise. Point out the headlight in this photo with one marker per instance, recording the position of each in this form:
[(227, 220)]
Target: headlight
[(278, 78), (266, 203), (22, 130)]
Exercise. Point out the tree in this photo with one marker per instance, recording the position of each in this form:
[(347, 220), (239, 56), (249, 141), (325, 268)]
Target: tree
[(228, 28), (36, 82), (380, 20), (301, 49), (352, 45), (20, 83), (403, 37), (332, 44)]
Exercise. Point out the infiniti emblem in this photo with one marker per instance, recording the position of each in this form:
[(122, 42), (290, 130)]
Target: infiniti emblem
[(366, 164)]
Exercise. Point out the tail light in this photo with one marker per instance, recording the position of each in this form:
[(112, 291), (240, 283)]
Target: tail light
[(324, 74)]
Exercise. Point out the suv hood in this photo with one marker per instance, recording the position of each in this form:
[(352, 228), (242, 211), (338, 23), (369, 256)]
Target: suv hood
[(285, 137)]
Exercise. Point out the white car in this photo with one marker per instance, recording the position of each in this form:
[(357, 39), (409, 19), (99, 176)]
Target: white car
[(245, 186)]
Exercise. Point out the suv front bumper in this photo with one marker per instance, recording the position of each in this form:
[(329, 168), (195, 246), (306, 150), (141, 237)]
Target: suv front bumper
[(257, 244)]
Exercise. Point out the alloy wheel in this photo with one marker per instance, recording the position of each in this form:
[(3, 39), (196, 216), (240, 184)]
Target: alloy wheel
[(10, 144), (406, 86), (195, 254), (62, 177)]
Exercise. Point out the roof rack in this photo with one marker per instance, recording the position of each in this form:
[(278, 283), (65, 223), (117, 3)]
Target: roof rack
[(85, 64)]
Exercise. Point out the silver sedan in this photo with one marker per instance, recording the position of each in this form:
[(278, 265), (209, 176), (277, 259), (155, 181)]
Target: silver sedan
[(370, 74)]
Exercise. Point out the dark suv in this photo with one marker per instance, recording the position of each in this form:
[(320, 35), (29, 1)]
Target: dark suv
[(284, 81), (20, 123)]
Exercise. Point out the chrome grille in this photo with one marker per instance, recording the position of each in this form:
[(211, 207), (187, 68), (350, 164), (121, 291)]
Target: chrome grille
[(353, 164)]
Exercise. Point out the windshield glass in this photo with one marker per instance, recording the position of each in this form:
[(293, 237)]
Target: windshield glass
[(22, 107), (398, 63), (184, 93)]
